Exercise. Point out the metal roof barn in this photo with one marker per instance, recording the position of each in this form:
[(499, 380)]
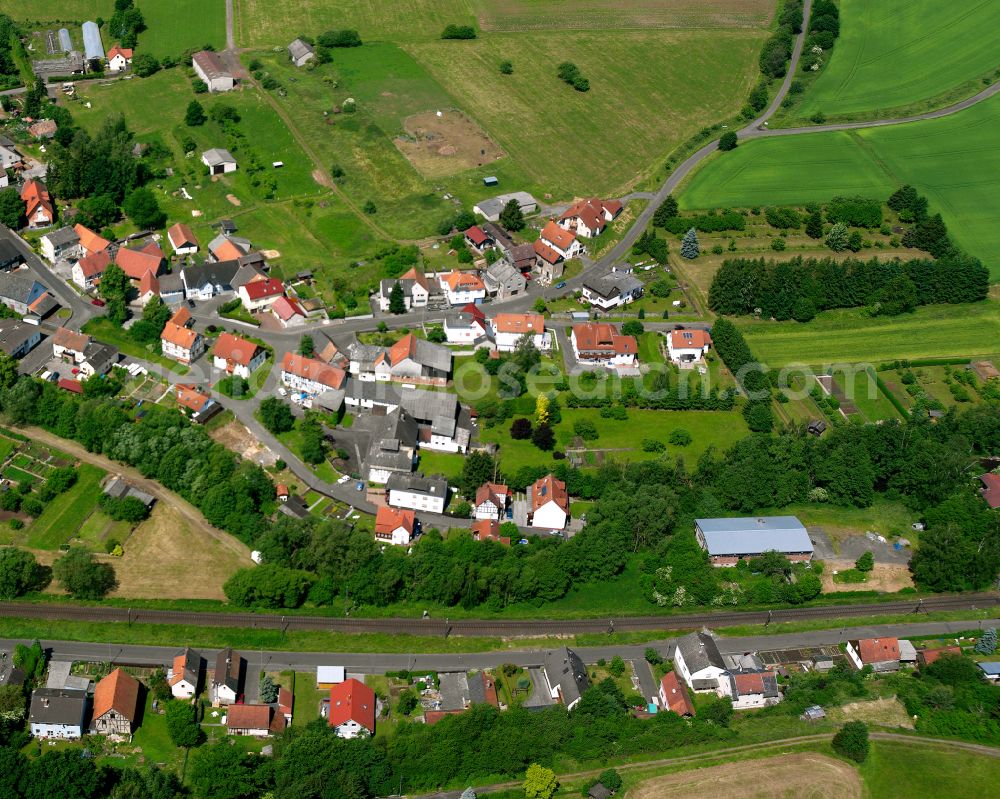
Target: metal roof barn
[(754, 535), (92, 45)]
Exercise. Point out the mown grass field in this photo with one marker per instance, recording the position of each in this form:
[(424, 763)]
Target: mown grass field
[(897, 769), (895, 53), (62, 10), (847, 337), (954, 161), (64, 515), (173, 26)]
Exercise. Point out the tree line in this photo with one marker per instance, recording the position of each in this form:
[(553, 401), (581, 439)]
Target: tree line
[(801, 287)]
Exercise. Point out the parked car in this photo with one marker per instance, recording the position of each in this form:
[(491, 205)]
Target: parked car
[(561, 284), (98, 302)]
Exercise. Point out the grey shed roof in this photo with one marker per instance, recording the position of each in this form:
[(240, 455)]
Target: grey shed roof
[(433, 355), (101, 356), (298, 49), (754, 535), (9, 253), (426, 406), (57, 706), (16, 287), (700, 651), (564, 668), (418, 484), (613, 283), (227, 669), (217, 156), (598, 791), (14, 333)]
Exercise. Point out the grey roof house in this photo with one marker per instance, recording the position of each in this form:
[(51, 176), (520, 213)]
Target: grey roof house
[(204, 281), (503, 279), (697, 659), (612, 290), (727, 541), (57, 713), (566, 675), (18, 338), (300, 52)]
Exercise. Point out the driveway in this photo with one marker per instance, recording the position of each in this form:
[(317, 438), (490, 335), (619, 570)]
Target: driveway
[(540, 696), (647, 684)]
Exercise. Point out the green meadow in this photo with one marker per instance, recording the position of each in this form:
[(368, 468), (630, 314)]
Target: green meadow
[(894, 54), (173, 26)]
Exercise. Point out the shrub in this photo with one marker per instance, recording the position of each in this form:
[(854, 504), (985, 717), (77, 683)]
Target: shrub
[(652, 445), (680, 437), (458, 32), (586, 429), (865, 563), (851, 741), (506, 68), (521, 429), (728, 141)]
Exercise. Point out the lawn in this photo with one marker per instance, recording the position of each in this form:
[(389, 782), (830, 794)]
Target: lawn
[(954, 161), (306, 695), (885, 517), (929, 49), (154, 740), (169, 28), (104, 330), (865, 393), (64, 515), (897, 769), (847, 337)]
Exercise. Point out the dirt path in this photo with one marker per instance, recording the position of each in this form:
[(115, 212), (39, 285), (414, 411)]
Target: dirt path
[(188, 511)]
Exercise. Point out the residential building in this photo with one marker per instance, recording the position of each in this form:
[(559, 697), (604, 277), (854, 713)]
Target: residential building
[(352, 709), (492, 501), (674, 695), (200, 406), (88, 270), (179, 341), (461, 288), (98, 358), (288, 311), (135, 263), (417, 290), (522, 257), (416, 492), (185, 674), (227, 677), (9, 156), (259, 295), (310, 375), (752, 689), (601, 344), (116, 705), (510, 328), (237, 355), (209, 67), (548, 502), (57, 713), (394, 526), (61, 244), (149, 288), (226, 247), (728, 541), (218, 161), (182, 239), (256, 721), (502, 280), (467, 328), (90, 242), (286, 702), (119, 58), (43, 128), (204, 281), (477, 239), (38, 208), (990, 489), (698, 661), (444, 424), (361, 360), (565, 676), (301, 52), (69, 345), (488, 530), (492, 207), (393, 447), (589, 218), (687, 347), (18, 338), (612, 290), (10, 256), (882, 654), (413, 359), (549, 264), (990, 670), (564, 242)]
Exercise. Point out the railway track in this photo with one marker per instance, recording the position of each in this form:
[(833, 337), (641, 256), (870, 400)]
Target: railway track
[(484, 627)]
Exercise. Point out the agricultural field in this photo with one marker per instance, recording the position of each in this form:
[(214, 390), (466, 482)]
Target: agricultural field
[(898, 769), (170, 27), (848, 337), (62, 10), (65, 514), (952, 160), (900, 55), (943, 386)]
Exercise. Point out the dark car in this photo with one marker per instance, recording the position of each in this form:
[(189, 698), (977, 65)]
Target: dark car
[(190, 303), (98, 302)]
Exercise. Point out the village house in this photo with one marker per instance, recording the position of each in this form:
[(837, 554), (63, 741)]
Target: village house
[(288, 311), (394, 526), (182, 239), (9, 155), (136, 263), (185, 674), (882, 654), (927, 656), (209, 67), (256, 721), (698, 661), (549, 264), (227, 678), (564, 242), (488, 530), (565, 676), (352, 709), (237, 355), (199, 405), (90, 242), (179, 341), (26, 296), (18, 338), (149, 288), (259, 295), (510, 328), (416, 492), (10, 256), (88, 270), (674, 696), (226, 247), (601, 344), (589, 218), (467, 328), (218, 161), (301, 52), (990, 489), (98, 358), (38, 208), (60, 244), (612, 290), (752, 689), (687, 347), (119, 58), (393, 448), (417, 290), (69, 345), (43, 128), (310, 375), (204, 281), (730, 540), (477, 239), (549, 503), (413, 359), (58, 713), (461, 288), (116, 705), (492, 501), (502, 280)]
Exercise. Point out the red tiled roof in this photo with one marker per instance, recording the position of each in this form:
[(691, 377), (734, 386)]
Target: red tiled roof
[(234, 349), (592, 212), (477, 235), (89, 240), (94, 264), (432, 717), (148, 284), (68, 384), (387, 520), (126, 52), (991, 489), (474, 311), (285, 700), (676, 695), (418, 277), (495, 492), (135, 263), (545, 252), (189, 396), (690, 339), (930, 655), (286, 307), (281, 490), (352, 701), (751, 683), (556, 236), (463, 281), (549, 489), (183, 337), (180, 661), (119, 692), (227, 250), (261, 289), (248, 717), (876, 650), (488, 530), (181, 316), (180, 235), (70, 339), (405, 348), (312, 369), (34, 194), (602, 337), (522, 323)]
